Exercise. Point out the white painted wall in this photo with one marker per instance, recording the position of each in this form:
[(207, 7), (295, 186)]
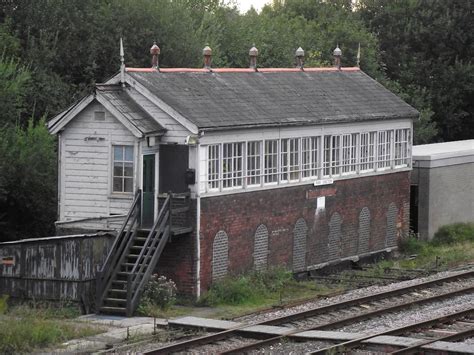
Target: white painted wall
[(176, 133), (86, 166)]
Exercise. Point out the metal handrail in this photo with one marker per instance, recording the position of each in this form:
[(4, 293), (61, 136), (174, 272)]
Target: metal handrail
[(104, 277)]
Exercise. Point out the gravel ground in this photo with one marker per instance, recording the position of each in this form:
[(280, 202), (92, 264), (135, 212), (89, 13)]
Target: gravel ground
[(340, 298), (417, 314), (292, 348)]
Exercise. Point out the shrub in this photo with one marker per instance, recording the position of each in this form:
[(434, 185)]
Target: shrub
[(454, 233), (411, 244), (159, 292)]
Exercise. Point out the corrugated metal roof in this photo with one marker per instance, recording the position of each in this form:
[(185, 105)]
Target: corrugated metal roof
[(225, 99)]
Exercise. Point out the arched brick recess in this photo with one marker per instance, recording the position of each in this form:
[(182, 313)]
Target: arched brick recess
[(335, 237), (364, 231), (260, 251), (220, 255), (300, 234), (391, 236)]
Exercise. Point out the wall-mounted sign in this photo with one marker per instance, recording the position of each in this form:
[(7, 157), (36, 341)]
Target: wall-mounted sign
[(324, 182), (7, 260)]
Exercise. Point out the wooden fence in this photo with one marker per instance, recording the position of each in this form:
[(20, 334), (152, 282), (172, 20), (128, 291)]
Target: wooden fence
[(54, 268)]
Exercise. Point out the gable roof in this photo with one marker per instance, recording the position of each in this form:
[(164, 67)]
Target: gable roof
[(230, 98), (116, 100)]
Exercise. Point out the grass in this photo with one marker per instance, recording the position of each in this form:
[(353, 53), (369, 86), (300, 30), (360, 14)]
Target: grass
[(25, 328)]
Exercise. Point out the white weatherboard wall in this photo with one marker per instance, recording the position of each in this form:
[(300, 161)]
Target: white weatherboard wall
[(86, 166), (176, 133)]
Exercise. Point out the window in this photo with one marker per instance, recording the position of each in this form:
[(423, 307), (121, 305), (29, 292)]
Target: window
[(232, 165), (327, 156), (290, 164), (367, 151), (253, 163), (271, 161), (384, 150), (335, 155), (213, 167), (402, 137), (123, 168), (309, 157), (349, 154)]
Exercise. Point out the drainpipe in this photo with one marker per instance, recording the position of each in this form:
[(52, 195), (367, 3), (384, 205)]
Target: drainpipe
[(198, 224)]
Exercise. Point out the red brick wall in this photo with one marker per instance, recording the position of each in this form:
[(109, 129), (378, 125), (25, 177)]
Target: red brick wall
[(240, 214)]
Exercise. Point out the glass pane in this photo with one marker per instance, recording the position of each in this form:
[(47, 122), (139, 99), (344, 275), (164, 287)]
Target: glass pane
[(128, 185), (118, 152), (118, 185), (128, 153), (118, 169), (128, 169)]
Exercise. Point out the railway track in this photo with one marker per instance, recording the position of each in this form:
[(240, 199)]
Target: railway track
[(333, 316)]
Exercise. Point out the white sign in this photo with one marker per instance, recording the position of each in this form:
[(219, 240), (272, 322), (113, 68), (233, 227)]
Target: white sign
[(324, 182)]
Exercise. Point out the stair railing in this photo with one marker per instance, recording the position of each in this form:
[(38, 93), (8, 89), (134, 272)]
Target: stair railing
[(149, 255), (119, 249)]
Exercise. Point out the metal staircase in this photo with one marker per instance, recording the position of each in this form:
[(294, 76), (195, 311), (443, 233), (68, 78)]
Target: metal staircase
[(133, 258)]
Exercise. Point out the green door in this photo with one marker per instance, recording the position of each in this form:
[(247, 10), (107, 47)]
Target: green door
[(148, 190)]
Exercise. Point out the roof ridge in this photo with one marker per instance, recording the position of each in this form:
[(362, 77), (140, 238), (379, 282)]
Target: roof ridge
[(240, 70)]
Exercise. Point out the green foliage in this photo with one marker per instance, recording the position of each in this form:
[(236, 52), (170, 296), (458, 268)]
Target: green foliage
[(249, 288), (159, 292), (429, 43), (454, 233), (3, 304), (411, 245), (27, 181)]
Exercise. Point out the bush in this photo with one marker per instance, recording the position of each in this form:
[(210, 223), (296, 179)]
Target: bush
[(411, 245), (454, 233), (159, 292)]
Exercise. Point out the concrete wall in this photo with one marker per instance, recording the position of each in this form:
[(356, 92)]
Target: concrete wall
[(445, 196), (55, 268), (334, 227)]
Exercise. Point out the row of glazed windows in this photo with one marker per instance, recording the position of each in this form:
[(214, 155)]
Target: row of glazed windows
[(250, 164)]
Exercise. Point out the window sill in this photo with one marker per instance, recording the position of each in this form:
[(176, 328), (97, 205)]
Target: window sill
[(121, 196)]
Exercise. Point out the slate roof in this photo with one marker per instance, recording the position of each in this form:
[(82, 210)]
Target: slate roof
[(244, 98), (122, 102)]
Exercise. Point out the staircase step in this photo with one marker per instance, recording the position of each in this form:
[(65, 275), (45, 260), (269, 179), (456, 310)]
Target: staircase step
[(116, 290), (177, 210), (138, 247), (113, 310), (115, 300), (181, 230)]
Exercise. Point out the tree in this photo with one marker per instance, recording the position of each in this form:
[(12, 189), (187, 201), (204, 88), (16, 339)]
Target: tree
[(429, 44)]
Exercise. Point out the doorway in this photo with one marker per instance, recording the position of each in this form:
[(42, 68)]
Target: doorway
[(148, 205)]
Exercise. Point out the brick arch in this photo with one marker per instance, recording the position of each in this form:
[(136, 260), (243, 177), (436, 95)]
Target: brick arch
[(220, 255), (300, 235), (391, 234), (260, 251), (335, 237), (364, 231)]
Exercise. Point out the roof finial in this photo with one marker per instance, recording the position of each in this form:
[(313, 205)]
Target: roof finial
[(155, 52), (337, 57), (358, 56), (253, 53), (299, 54), (122, 64)]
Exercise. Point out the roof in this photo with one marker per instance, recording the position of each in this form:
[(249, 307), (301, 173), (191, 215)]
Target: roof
[(443, 150), (121, 101), (115, 99), (230, 98)]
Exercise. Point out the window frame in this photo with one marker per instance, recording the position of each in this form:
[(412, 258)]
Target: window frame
[(123, 177)]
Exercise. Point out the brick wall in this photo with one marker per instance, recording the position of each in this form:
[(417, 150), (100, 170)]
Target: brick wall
[(239, 215)]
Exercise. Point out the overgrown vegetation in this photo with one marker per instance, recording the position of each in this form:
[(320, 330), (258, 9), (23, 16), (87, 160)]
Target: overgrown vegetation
[(451, 245), (26, 328), (159, 295)]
